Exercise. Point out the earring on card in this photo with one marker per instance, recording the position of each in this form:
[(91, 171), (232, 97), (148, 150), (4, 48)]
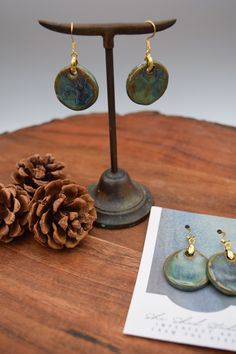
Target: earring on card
[(75, 86), (186, 268), (221, 268)]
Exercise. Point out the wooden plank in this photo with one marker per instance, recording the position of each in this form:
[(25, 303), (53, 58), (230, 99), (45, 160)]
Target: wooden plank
[(77, 300), (61, 301)]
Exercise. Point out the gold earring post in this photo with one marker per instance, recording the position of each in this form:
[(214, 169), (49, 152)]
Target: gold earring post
[(227, 243), (148, 56), (74, 55), (191, 240)]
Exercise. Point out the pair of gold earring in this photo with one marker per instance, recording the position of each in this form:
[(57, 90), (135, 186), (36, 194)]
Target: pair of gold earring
[(77, 88), (190, 270)]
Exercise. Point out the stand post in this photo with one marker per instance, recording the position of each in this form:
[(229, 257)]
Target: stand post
[(111, 108), (119, 201)]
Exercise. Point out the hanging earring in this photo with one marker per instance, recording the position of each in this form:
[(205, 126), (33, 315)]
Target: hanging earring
[(147, 82), (186, 268), (75, 86), (221, 268)]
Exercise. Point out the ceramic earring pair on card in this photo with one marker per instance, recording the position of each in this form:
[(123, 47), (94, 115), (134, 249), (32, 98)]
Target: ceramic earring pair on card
[(77, 88), (189, 270)]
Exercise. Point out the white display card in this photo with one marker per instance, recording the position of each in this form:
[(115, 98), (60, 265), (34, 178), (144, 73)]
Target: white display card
[(205, 317)]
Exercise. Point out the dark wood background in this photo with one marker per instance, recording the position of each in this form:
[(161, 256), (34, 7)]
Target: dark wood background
[(76, 301)]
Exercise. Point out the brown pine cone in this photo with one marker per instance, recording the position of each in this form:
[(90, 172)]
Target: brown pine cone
[(14, 207), (61, 214), (36, 171)]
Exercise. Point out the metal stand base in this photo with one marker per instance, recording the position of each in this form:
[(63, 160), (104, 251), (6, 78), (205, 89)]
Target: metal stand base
[(119, 201)]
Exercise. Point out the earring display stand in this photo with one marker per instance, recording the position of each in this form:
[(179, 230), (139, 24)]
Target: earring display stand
[(120, 202)]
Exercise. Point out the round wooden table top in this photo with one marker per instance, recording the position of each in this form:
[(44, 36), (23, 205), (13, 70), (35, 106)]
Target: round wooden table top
[(76, 301)]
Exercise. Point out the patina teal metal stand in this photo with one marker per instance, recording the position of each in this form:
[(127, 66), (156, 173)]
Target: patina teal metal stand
[(120, 202)]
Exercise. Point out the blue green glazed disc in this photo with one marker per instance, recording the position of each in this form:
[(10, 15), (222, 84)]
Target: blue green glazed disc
[(222, 273), (146, 87), (184, 272), (76, 91)]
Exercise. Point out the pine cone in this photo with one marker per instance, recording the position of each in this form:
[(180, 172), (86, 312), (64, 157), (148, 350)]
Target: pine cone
[(61, 214), (36, 171), (14, 207)]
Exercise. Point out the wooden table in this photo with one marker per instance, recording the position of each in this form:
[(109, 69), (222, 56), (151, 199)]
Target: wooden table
[(76, 301)]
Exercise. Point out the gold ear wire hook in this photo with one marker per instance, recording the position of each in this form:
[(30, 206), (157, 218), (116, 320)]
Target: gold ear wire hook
[(74, 55), (72, 39), (228, 251), (154, 29), (148, 56), (191, 240)]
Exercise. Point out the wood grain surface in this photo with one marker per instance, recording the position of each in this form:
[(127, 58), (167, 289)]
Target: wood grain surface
[(76, 301)]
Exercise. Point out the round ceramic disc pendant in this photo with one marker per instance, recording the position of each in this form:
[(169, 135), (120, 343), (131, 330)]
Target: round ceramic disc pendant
[(145, 87), (222, 273), (76, 91), (184, 272)]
